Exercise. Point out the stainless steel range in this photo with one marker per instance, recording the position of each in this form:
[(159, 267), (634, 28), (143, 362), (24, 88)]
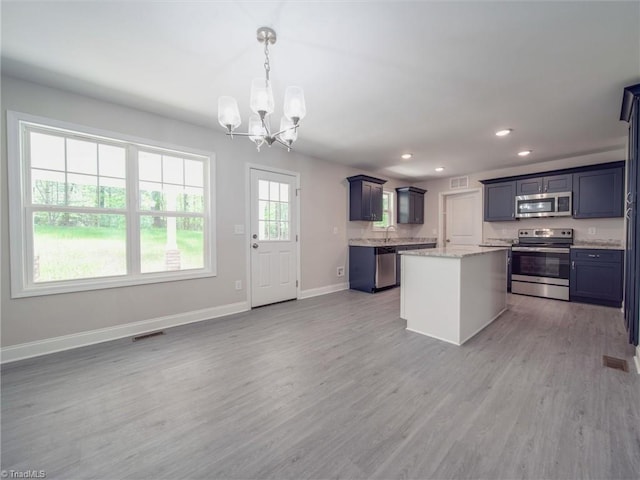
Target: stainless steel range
[(540, 262)]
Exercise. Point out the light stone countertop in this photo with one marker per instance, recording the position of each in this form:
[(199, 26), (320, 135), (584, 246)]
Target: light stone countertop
[(457, 251), (598, 245), (393, 242)]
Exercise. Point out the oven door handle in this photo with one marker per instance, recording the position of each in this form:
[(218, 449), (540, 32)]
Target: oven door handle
[(540, 249)]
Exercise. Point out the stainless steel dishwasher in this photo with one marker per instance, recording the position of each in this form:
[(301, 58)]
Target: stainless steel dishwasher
[(385, 267)]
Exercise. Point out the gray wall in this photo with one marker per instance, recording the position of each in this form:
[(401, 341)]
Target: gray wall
[(323, 206)]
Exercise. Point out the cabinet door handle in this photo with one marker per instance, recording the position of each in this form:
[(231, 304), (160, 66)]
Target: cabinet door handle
[(573, 265), (627, 213), (593, 256), (628, 198)]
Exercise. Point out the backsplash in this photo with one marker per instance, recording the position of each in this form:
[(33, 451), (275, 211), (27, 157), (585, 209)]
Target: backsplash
[(607, 231)]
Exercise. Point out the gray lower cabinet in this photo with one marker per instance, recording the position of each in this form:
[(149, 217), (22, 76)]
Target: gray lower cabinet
[(596, 276)]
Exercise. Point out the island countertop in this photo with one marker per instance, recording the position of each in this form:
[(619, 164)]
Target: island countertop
[(454, 251)]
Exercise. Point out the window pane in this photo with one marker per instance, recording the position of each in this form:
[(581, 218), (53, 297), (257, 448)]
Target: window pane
[(47, 187), (170, 243), (385, 201), (274, 191), (149, 166), (151, 196), (69, 246), (112, 193), (284, 211), (192, 200), (273, 231), (284, 231), (172, 170), (82, 190), (263, 190), (111, 161), (284, 192), (82, 156), (263, 231), (263, 210), (193, 173), (47, 151)]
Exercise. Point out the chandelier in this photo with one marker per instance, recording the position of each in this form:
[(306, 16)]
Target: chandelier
[(261, 102)]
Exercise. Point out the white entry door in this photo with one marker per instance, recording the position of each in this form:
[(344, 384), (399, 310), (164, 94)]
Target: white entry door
[(463, 218), (274, 262)]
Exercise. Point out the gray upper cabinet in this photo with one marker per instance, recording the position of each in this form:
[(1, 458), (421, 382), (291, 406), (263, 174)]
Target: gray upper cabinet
[(551, 184), (365, 198), (410, 205), (499, 202), (598, 193)]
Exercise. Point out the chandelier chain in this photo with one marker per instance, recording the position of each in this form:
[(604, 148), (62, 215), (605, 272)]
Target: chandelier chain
[(267, 66)]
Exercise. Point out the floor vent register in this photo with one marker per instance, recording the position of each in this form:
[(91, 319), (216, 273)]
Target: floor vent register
[(144, 336), (617, 363)]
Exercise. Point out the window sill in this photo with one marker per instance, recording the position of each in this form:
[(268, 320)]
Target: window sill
[(54, 288)]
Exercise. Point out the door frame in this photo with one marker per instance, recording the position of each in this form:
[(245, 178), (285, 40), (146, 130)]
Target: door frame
[(442, 213), (247, 222)]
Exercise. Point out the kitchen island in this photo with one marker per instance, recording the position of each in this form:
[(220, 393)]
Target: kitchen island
[(451, 293)]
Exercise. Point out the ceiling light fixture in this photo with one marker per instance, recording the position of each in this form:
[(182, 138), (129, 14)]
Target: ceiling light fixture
[(503, 133), (261, 102), (439, 169), (524, 153), (406, 156)]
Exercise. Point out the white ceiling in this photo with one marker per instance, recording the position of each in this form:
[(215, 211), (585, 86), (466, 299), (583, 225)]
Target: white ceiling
[(380, 78)]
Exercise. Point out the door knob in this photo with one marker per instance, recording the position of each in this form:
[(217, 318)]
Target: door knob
[(448, 240), (255, 245), (254, 236)]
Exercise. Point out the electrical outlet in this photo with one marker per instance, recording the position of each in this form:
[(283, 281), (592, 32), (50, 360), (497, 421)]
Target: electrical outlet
[(335, 230), (238, 284), (434, 231), (340, 271), (591, 231)]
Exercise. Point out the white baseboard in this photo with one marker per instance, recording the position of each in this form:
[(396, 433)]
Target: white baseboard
[(636, 359), (67, 342), (315, 292)]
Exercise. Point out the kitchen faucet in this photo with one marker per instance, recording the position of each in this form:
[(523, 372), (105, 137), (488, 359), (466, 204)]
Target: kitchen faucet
[(386, 233)]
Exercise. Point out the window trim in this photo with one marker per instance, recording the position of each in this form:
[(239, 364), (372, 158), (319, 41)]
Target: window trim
[(392, 217), (19, 193)]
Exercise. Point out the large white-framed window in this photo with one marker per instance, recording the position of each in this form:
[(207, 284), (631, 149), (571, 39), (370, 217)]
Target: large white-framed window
[(388, 217), (91, 209)]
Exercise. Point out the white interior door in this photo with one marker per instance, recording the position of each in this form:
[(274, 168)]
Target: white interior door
[(274, 263), (463, 219)]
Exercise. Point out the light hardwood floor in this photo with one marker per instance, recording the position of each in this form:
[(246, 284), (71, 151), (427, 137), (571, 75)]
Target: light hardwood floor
[(334, 387)]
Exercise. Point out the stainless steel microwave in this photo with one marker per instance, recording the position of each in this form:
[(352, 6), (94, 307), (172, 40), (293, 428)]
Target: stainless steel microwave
[(544, 205)]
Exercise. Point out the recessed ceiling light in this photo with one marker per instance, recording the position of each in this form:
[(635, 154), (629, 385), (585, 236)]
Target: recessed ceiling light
[(502, 133), (524, 153), (406, 156), (439, 169)]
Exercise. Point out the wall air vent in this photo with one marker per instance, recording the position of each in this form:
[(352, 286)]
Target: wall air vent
[(458, 182)]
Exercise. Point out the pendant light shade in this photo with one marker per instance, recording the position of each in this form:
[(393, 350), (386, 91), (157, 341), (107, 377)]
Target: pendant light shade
[(257, 130), (288, 131), (261, 100), (228, 113), (294, 105)]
